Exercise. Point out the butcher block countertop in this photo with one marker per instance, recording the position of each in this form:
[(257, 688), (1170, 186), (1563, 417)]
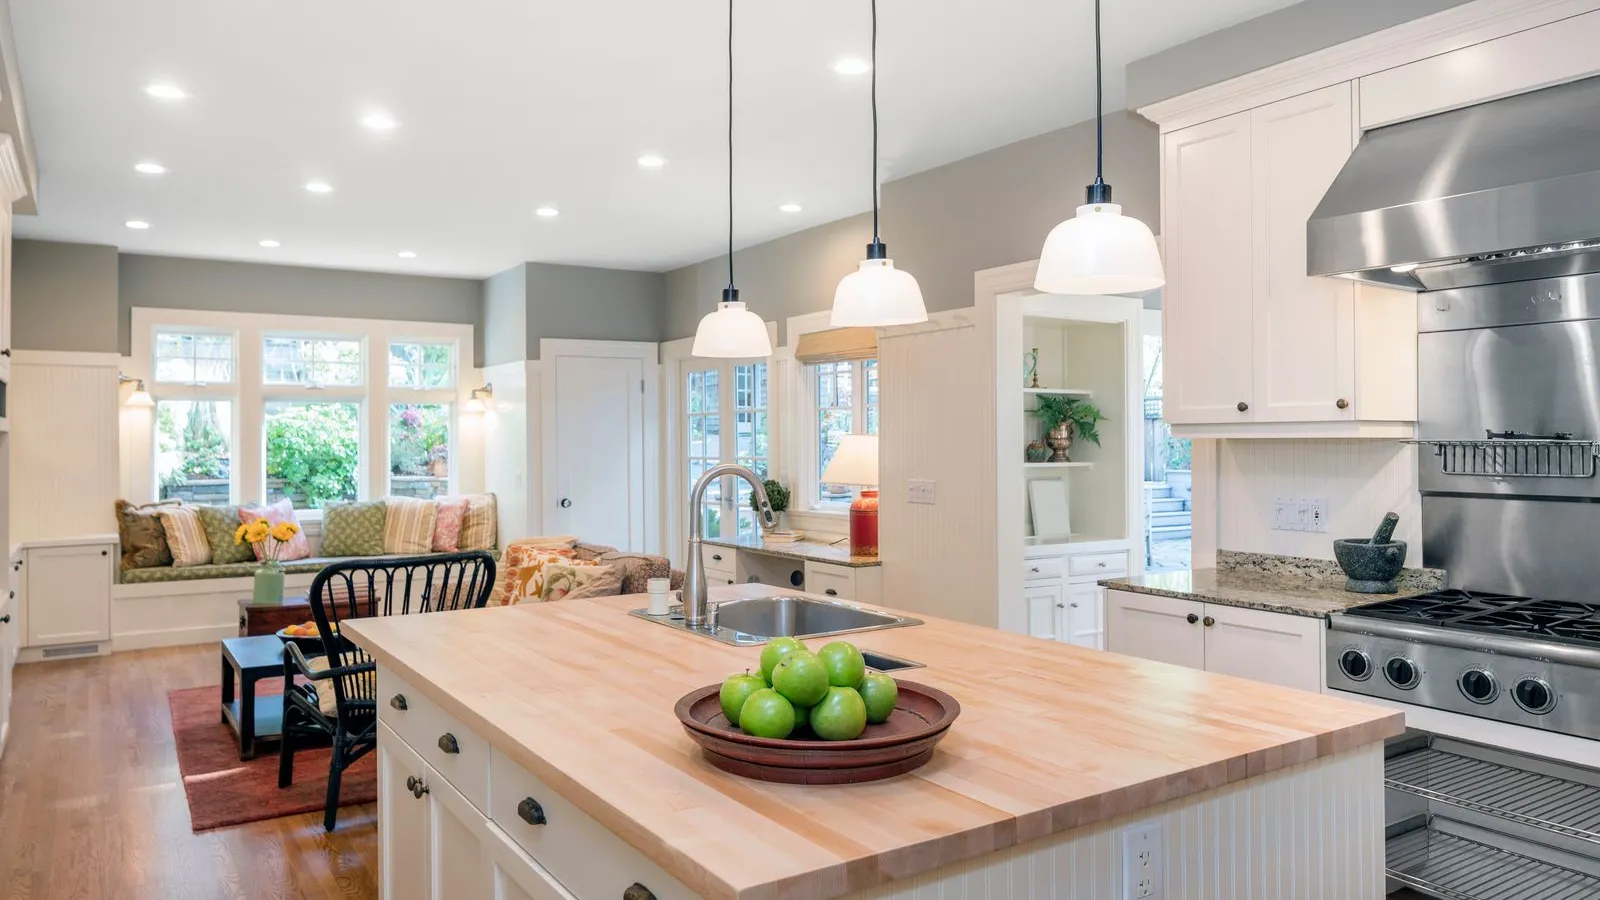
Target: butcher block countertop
[(1051, 738)]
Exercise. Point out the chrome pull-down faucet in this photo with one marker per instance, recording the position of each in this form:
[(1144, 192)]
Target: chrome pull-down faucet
[(694, 581)]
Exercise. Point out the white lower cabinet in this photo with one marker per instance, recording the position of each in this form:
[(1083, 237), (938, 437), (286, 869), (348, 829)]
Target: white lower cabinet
[(1064, 599), (523, 841), (1277, 648), (67, 586)]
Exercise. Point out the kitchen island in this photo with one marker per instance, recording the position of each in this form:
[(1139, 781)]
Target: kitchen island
[(532, 751)]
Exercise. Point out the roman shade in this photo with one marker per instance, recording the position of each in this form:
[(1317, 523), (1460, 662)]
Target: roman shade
[(837, 345)]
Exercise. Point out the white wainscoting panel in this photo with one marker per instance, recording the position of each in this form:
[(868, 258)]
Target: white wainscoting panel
[(1360, 480), (1311, 832), (64, 444), (936, 409)]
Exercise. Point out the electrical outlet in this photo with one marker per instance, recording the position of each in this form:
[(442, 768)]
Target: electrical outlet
[(1142, 866), (1318, 515), (920, 491)]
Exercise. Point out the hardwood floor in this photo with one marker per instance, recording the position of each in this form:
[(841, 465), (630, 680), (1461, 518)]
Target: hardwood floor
[(91, 805)]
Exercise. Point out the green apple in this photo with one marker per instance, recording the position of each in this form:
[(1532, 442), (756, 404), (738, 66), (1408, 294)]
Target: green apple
[(774, 652), (802, 717), (879, 692), (801, 678), (841, 716), (845, 665), (767, 715), (736, 689)]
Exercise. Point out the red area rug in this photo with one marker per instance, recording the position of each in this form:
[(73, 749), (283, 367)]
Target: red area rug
[(224, 790)]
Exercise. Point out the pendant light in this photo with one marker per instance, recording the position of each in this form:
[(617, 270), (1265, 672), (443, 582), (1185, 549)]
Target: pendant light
[(1100, 251), (877, 293), (732, 331)]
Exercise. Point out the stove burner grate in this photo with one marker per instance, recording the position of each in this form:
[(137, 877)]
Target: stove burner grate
[(1559, 620)]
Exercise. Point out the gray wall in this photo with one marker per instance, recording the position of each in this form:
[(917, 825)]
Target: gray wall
[(585, 303), (1265, 41), (942, 225), (64, 296), (178, 283), (502, 333)]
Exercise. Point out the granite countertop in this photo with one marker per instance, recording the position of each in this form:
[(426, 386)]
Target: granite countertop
[(1281, 584), (803, 549)]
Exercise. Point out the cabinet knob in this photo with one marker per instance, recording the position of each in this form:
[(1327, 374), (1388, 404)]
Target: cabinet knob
[(5, 352), (448, 743), (398, 701), (1060, 606), (1074, 606), (105, 552), (415, 786), (716, 557), (5, 619), (637, 891), (1100, 565), (831, 592), (1034, 570), (1192, 618), (1342, 403), (1210, 621), (530, 811), (1243, 406)]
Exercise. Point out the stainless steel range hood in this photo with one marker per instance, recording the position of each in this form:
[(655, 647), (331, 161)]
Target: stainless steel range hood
[(1504, 191)]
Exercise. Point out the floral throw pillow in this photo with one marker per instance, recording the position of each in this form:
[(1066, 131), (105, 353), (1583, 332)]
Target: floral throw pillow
[(521, 572), (449, 512), (296, 547), (577, 579)]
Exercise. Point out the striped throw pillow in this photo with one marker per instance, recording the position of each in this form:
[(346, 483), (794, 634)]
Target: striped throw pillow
[(186, 536), (480, 528), (408, 528)]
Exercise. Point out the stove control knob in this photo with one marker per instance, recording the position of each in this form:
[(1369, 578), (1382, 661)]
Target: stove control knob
[(1478, 685), (1534, 695), (1355, 664), (1402, 673)]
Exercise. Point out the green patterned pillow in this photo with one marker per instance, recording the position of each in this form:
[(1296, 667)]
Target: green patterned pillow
[(220, 522), (353, 529)]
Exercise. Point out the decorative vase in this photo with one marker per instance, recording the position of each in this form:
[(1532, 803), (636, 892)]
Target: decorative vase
[(269, 583), (1037, 452), (1060, 440), (1030, 368)]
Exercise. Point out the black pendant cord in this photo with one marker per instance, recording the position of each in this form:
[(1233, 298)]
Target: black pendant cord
[(876, 249), (732, 293), (1099, 192)]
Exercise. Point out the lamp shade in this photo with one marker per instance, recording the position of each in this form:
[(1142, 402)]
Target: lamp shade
[(140, 397), (732, 332), (878, 294), (855, 461), (1100, 251)]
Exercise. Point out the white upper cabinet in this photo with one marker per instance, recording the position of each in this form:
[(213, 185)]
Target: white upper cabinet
[(1254, 346)]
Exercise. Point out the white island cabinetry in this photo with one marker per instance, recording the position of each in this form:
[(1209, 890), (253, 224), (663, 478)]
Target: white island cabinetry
[(1277, 648)]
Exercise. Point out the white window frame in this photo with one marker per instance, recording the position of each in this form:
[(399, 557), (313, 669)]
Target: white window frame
[(455, 364), (364, 364), (231, 334), (249, 395), (804, 404)]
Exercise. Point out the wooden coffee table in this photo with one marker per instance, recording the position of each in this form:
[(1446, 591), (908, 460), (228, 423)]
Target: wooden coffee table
[(245, 662)]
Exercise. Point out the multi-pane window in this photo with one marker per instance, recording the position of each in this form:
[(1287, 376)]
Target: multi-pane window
[(750, 437), (421, 366), (321, 362), (704, 432), (419, 450), (313, 452), (194, 450), (194, 358), (846, 395)]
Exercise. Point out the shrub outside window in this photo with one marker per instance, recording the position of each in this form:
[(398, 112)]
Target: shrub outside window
[(313, 452), (194, 450), (419, 450)]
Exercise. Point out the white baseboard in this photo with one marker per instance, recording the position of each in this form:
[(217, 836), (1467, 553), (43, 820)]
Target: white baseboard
[(172, 637)]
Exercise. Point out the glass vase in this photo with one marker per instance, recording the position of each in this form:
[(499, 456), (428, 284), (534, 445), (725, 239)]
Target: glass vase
[(269, 583)]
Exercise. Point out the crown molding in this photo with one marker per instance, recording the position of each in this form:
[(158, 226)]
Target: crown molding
[(1442, 32), (13, 183)]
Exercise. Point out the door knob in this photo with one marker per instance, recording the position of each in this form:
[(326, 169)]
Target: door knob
[(530, 811), (565, 503), (1243, 406), (1210, 621), (1192, 618), (1342, 403)]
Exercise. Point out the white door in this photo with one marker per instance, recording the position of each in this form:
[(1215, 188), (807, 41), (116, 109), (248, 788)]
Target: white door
[(1206, 303), (1165, 629), (1045, 601), (457, 857), (1085, 616), (69, 594), (1265, 646), (403, 835), (1304, 330), (599, 445), (726, 419)]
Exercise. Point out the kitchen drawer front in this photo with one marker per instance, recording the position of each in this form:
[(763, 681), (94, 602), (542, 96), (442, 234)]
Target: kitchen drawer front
[(831, 581), (1100, 565), (581, 853), (438, 737), (1043, 568), (722, 564)]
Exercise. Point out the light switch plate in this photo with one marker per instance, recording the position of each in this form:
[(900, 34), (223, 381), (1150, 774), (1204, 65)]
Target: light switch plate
[(920, 491), (1280, 514)]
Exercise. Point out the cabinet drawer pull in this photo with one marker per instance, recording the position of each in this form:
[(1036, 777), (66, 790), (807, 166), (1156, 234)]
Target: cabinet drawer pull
[(1100, 565), (831, 592), (1210, 621), (5, 619), (1074, 606), (716, 557), (398, 701), (1192, 618), (637, 891), (1342, 403), (530, 811), (448, 743), (1060, 606), (1243, 406)]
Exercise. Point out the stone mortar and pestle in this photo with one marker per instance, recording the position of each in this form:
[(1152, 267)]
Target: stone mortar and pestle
[(1371, 564)]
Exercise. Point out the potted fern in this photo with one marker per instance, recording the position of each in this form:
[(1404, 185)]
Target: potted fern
[(1065, 417)]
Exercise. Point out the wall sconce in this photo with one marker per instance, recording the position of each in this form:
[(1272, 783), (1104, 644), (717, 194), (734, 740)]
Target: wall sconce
[(140, 396), (476, 404)]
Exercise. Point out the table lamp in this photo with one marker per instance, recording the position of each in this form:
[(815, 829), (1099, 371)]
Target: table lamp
[(855, 462)]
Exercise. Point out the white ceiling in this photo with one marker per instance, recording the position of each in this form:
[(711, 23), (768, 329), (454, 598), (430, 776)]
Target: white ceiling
[(505, 105)]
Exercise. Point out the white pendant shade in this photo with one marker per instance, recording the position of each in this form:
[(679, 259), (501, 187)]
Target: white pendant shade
[(1100, 251), (878, 294), (732, 332)]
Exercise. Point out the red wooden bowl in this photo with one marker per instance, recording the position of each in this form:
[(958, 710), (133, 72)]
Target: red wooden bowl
[(905, 741)]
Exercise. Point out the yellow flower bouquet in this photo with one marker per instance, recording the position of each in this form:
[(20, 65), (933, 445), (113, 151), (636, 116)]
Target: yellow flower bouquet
[(267, 539)]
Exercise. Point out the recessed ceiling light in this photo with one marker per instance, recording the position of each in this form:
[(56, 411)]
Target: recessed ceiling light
[(789, 208), (162, 90), (407, 254), (318, 187), (852, 65), (651, 161), (150, 168), (547, 212), (379, 121), (270, 243), (137, 224)]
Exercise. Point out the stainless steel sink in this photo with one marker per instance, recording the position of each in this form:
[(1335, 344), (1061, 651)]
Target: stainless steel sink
[(759, 619)]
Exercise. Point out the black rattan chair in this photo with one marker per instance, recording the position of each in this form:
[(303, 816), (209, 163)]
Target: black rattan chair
[(358, 589)]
